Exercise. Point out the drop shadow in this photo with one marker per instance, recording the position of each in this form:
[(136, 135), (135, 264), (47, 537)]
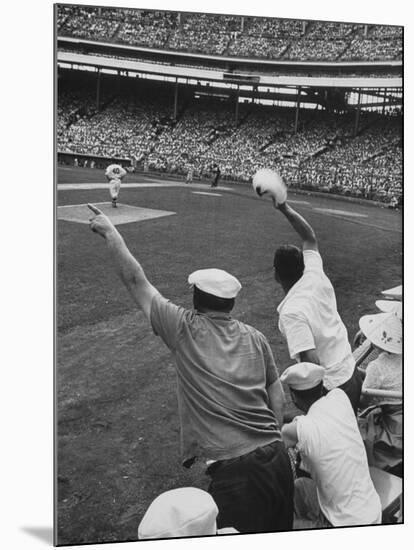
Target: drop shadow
[(45, 534)]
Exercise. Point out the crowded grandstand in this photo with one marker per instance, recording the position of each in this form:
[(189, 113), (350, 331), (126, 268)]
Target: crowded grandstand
[(346, 139), (259, 37)]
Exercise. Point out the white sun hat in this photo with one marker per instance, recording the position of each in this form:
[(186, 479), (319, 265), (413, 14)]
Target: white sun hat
[(183, 512), (303, 376), (384, 330), (216, 282), (394, 293), (389, 306)]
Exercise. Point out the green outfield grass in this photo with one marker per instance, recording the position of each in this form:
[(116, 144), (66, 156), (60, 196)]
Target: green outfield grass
[(117, 424)]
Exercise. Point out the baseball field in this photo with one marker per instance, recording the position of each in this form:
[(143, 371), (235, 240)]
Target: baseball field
[(117, 431)]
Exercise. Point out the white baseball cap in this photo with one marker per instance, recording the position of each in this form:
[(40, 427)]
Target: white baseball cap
[(216, 282), (183, 512), (384, 330), (303, 376)]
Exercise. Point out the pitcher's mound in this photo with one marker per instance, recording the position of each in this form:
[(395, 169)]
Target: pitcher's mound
[(123, 213)]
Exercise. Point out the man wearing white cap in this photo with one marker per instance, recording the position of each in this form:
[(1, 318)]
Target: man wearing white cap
[(308, 315), (230, 397), (340, 491)]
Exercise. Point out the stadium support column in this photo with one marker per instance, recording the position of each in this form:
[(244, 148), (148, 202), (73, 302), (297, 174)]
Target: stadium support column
[(297, 110), (357, 112), (98, 90), (237, 105), (175, 99)]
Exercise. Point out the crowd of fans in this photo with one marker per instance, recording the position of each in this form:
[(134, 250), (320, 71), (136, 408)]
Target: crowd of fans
[(202, 33), (86, 22), (364, 165), (257, 46), (324, 153), (256, 37), (147, 28), (370, 49)]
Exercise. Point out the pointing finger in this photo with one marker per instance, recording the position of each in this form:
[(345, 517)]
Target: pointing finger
[(94, 209)]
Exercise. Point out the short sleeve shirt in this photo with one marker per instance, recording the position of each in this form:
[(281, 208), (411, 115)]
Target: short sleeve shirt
[(223, 369), (333, 453), (309, 319)]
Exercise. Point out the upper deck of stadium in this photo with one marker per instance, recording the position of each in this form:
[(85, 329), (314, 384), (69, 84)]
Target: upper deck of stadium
[(232, 42)]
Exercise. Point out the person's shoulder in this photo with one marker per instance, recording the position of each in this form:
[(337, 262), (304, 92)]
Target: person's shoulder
[(312, 258), (336, 395), (294, 304), (161, 302), (249, 329), (338, 403)]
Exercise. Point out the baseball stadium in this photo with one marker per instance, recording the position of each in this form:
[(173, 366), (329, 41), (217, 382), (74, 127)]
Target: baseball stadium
[(191, 106)]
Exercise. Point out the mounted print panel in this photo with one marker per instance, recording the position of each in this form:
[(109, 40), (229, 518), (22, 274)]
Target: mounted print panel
[(229, 201)]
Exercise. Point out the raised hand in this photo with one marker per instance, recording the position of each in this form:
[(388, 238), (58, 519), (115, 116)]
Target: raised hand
[(99, 223), (278, 205)]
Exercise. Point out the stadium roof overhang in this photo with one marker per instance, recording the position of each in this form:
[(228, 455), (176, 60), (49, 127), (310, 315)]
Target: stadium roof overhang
[(166, 71)]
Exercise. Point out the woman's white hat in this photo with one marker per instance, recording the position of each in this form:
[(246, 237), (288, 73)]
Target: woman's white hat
[(395, 293), (384, 330), (388, 306)]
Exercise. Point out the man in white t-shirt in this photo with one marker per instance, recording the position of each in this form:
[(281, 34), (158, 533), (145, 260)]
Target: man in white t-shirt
[(340, 491), (308, 315)]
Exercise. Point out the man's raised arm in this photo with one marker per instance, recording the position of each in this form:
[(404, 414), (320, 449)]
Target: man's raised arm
[(300, 225), (128, 268)]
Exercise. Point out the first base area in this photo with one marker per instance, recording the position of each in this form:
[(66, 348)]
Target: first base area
[(123, 213)]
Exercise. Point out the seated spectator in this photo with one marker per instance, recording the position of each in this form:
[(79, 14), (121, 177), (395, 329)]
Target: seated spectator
[(184, 512), (339, 491), (381, 421)]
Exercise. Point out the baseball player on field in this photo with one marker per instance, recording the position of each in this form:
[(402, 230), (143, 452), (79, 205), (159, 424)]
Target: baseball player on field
[(114, 174)]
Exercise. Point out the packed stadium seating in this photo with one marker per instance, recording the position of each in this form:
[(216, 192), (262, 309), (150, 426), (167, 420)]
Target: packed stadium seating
[(135, 121), (256, 37)]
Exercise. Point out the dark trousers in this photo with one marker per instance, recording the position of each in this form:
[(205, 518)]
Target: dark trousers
[(352, 388), (254, 492), (216, 180)]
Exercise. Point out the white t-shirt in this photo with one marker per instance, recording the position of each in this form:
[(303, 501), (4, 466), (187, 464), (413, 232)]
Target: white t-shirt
[(309, 319), (333, 452)]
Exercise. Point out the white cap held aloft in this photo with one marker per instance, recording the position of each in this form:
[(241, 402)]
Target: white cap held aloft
[(384, 330), (216, 282), (183, 512), (303, 376)]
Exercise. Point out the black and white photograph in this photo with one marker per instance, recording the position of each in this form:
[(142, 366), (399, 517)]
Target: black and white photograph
[(228, 233)]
